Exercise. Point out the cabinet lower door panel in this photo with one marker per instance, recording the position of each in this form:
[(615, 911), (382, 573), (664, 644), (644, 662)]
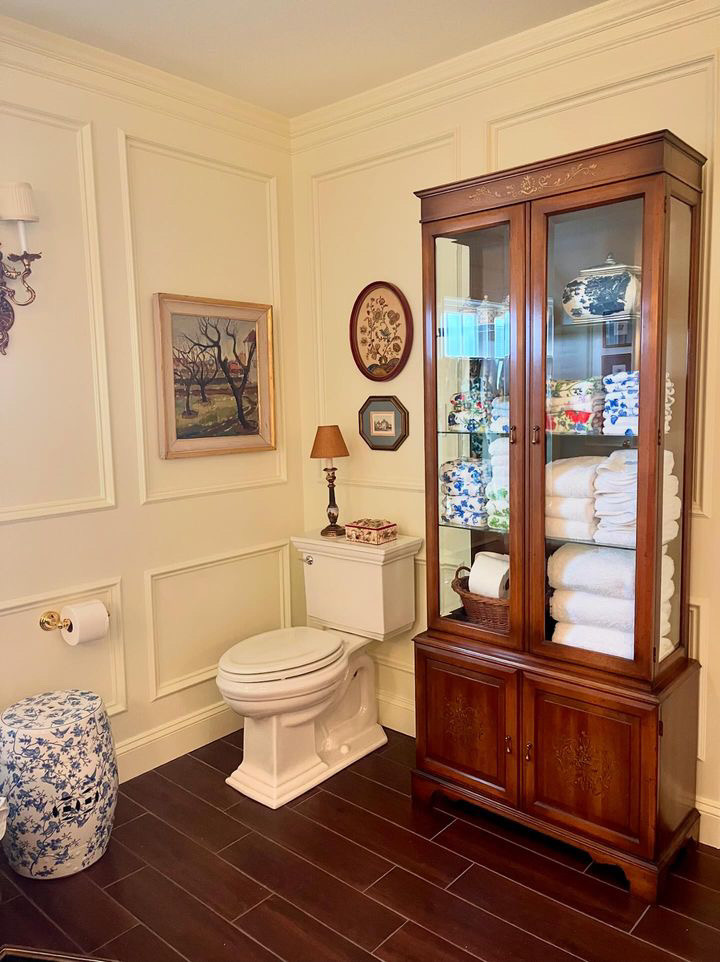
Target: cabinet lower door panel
[(467, 723), (589, 762)]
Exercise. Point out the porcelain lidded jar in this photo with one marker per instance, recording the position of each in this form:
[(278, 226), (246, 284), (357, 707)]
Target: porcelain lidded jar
[(608, 292)]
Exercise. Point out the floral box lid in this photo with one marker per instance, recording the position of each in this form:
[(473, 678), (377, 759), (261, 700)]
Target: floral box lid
[(371, 530)]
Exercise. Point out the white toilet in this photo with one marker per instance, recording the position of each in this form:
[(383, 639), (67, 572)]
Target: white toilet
[(308, 694)]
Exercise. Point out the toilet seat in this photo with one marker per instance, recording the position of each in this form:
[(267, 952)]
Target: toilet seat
[(280, 654)]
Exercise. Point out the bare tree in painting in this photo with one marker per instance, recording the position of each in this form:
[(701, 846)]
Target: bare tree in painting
[(185, 369), (210, 339), (206, 369)]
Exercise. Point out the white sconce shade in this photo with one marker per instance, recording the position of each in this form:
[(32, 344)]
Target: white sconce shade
[(16, 202)]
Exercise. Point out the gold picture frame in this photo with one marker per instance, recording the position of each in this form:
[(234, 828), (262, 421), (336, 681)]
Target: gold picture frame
[(215, 384)]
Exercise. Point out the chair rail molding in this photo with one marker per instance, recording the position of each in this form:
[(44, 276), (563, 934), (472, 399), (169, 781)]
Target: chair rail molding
[(140, 357), (161, 689), (105, 496)]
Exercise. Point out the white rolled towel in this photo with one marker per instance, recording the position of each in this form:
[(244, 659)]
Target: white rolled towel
[(499, 446), (671, 507), (591, 638), (587, 608), (572, 477), (574, 509), (603, 571), (625, 537), (563, 528)]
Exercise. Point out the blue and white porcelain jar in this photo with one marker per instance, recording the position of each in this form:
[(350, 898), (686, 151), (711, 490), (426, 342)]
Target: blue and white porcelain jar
[(59, 774), (608, 292)]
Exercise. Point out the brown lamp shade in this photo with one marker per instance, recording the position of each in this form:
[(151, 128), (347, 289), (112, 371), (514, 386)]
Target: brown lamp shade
[(329, 443)]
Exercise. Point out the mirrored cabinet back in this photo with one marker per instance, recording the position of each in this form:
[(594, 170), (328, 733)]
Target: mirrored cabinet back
[(554, 684)]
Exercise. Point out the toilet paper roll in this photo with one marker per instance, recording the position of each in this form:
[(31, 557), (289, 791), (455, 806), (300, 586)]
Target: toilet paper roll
[(490, 575), (89, 622)]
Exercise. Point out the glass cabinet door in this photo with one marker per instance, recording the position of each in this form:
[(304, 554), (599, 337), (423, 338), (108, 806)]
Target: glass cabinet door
[(595, 421), (478, 295)]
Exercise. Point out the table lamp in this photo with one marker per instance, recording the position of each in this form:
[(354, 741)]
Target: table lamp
[(329, 444)]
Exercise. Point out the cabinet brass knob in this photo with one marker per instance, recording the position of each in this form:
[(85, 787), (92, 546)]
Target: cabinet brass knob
[(513, 434), (536, 434), (508, 744), (308, 559), (528, 751)]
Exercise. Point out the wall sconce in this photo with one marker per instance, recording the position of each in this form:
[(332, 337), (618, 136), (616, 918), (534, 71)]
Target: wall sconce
[(16, 203)]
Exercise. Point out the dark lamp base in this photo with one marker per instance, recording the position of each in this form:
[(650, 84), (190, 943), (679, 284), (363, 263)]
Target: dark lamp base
[(333, 531)]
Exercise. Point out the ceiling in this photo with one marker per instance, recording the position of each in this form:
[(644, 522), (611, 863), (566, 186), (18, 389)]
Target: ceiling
[(289, 56)]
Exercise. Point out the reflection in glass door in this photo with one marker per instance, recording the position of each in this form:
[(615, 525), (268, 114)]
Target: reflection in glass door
[(475, 356)]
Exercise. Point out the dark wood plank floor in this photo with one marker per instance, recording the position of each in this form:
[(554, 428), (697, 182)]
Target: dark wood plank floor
[(351, 872)]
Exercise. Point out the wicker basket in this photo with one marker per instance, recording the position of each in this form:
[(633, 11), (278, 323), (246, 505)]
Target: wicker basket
[(493, 614)]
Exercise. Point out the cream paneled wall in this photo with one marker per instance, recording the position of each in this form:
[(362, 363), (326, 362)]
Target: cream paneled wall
[(143, 183), (611, 71), (146, 183)]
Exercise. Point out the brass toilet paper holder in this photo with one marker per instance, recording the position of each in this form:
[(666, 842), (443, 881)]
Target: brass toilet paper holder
[(51, 620)]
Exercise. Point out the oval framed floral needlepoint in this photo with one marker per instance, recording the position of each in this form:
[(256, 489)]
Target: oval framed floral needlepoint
[(381, 331)]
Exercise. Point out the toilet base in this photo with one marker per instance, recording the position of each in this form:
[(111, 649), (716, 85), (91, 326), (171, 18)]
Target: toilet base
[(333, 760)]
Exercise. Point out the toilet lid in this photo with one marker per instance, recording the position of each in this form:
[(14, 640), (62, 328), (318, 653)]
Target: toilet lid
[(283, 653)]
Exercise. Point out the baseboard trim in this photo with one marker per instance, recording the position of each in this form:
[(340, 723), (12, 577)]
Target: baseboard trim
[(396, 712), (141, 753), (709, 821)]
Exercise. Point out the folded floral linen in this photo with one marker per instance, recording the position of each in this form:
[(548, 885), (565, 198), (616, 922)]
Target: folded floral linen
[(603, 571), (608, 641), (465, 421), (498, 489), (575, 407), (462, 488), (470, 470), (572, 477), (577, 530), (470, 512), (572, 509)]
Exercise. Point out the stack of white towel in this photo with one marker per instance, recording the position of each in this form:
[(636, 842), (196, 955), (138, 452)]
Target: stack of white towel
[(594, 598), (498, 490), (500, 415), (570, 498), (616, 499)]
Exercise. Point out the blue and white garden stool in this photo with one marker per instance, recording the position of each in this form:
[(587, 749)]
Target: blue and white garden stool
[(59, 774)]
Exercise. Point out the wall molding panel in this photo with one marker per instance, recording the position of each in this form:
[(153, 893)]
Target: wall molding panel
[(706, 65), (159, 687), (105, 496), (108, 591), (403, 151), (141, 353)]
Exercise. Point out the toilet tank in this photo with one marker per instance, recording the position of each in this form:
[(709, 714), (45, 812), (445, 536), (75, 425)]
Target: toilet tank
[(362, 589)]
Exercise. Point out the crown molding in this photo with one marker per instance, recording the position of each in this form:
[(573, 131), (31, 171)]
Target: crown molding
[(50, 55), (595, 29)]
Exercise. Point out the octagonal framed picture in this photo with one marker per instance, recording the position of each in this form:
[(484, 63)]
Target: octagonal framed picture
[(384, 423)]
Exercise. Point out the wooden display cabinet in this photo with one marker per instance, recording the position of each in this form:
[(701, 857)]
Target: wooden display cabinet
[(560, 341)]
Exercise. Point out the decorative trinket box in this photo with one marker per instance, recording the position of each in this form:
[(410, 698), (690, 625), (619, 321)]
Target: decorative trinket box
[(371, 531), (608, 292)]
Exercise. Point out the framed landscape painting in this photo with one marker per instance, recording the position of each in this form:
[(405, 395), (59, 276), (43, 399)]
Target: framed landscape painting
[(214, 376)]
